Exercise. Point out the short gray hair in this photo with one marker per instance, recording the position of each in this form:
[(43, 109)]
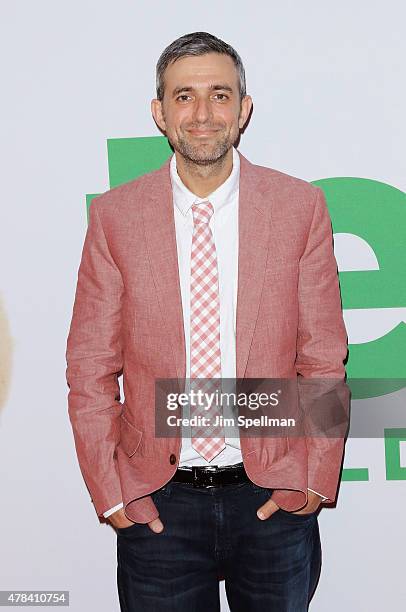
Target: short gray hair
[(196, 43)]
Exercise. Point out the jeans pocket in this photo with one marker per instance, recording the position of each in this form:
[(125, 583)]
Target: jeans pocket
[(164, 491), (130, 528), (261, 490), (297, 517)]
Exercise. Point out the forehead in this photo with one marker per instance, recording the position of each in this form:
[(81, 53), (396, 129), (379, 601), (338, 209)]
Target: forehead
[(201, 71)]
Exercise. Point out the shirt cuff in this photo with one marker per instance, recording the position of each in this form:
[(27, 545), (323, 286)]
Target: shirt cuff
[(323, 498), (108, 512)]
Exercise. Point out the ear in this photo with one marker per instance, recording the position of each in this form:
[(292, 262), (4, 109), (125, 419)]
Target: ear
[(246, 105), (156, 110)]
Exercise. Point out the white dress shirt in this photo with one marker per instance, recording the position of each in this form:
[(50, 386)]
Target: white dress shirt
[(224, 226)]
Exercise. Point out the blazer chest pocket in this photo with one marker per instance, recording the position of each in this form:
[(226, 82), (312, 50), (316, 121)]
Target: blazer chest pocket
[(130, 436)]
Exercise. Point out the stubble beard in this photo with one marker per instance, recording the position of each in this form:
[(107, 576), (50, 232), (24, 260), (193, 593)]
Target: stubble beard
[(202, 156)]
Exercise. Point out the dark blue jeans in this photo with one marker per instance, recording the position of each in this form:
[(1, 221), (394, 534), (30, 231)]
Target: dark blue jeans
[(271, 565)]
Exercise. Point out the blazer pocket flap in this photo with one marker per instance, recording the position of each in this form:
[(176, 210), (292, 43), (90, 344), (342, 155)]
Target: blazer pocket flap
[(130, 436)]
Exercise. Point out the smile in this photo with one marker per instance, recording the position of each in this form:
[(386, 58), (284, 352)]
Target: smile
[(202, 133)]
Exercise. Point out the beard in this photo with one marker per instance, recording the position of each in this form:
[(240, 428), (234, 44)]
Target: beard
[(207, 154)]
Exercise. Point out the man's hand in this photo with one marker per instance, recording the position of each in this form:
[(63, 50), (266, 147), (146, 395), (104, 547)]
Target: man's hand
[(119, 520), (313, 502)]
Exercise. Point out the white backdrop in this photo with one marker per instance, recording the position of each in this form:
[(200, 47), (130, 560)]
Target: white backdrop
[(328, 85)]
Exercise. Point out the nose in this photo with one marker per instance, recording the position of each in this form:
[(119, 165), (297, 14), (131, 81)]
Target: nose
[(202, 110)]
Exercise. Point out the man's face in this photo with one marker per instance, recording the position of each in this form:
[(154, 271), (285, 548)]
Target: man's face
[(201, 112)]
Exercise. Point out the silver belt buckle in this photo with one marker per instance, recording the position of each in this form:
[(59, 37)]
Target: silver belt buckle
[(195, 468)]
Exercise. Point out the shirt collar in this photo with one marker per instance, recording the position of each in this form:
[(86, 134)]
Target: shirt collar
[(183, 198)]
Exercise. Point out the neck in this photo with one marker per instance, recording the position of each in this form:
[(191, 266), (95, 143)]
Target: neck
[(203, 180)]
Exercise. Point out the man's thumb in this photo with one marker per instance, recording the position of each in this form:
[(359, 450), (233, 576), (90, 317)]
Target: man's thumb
[(267, 509), (156, 525)]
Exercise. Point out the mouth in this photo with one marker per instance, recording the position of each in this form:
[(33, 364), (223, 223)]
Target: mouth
[(202, 133)]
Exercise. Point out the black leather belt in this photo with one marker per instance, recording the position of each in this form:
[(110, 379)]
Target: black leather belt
[(211, 476)]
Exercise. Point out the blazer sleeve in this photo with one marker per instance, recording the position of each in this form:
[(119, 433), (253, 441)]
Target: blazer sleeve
[(94, 362), (321, 351)]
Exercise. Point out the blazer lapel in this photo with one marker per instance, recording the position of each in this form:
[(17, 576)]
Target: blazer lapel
[(159, 224), (254, 231)]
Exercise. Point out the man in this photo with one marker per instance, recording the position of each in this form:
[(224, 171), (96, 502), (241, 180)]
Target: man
[(210, 266)]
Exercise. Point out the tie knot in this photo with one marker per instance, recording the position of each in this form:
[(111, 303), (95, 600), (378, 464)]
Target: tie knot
[(202, 213)]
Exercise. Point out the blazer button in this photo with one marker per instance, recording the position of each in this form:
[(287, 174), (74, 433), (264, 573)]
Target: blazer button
[(172, 459)]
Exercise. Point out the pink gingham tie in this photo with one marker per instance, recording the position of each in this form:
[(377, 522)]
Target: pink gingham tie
[(205, 356)]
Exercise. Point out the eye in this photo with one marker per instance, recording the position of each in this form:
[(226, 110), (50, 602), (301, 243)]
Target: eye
[(183, 98), (221, 97)]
